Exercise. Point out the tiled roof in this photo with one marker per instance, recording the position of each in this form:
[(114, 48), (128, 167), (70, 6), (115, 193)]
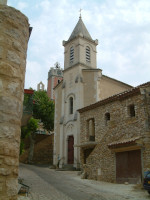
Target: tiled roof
[(123, 142), (28, 91), (120, 96)]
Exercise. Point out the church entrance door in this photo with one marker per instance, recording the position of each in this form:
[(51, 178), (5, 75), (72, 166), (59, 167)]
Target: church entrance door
[(70, 150)]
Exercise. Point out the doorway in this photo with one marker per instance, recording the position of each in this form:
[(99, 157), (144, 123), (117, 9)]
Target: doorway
[(70, 150), (128, 166)]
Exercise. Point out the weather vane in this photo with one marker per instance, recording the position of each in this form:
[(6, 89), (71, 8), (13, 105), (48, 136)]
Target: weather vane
[(80, 12)]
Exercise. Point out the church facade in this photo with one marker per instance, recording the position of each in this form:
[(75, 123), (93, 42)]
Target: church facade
[(83, 84)]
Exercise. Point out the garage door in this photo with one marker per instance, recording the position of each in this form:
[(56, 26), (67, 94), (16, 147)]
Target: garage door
[(128, 166)]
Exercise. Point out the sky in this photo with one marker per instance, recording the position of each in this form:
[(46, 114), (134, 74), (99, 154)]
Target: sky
[(122, 28)]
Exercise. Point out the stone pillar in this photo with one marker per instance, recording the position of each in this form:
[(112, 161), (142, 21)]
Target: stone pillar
[(4, 2), (14, 35)]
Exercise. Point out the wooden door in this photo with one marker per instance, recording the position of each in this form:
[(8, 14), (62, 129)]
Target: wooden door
[(70, 150), (128, 166)]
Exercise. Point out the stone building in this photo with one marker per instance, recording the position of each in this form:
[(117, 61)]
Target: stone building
[(115, 136), (83, 84), (55, 76), (14, 36)]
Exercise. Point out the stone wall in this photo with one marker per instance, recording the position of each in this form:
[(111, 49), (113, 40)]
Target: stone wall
[(101, 163), (14, 35), (43, 150)]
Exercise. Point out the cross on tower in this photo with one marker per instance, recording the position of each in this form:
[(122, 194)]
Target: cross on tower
[(80, 12)]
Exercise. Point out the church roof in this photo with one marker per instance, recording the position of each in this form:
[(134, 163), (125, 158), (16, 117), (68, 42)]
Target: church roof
[(80, 29), (120, 96)]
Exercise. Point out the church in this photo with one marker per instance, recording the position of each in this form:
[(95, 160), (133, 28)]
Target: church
[(83, 84)]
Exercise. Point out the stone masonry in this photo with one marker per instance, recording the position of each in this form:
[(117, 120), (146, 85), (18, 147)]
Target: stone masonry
[(118, 132), (14, 36)]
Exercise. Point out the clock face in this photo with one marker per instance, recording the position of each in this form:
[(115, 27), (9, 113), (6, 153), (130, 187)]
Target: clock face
[(59, 72)]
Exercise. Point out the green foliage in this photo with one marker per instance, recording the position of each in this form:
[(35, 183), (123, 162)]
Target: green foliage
[(21, 147), (26, 99), (43, 109), (28, 103), (31, 127), (24, 132)]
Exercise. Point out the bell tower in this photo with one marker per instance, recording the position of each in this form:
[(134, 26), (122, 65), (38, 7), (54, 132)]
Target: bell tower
[(79, 74), (55, 75), (80, 48)]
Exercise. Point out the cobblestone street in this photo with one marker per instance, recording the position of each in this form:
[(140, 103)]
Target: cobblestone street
[(48, 184)]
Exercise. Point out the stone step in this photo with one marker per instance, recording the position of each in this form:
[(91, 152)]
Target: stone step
[(67, 167)]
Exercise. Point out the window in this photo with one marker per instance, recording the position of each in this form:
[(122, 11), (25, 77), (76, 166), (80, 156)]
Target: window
[(58, 81), (91, 129), (41, 87), (107, 117), (132, 110), (88, 59), (71, 54), (71, 105)]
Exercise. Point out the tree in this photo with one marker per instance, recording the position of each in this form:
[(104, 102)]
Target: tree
[(43, 109), (24, 133), (29, 131), (32, 127)]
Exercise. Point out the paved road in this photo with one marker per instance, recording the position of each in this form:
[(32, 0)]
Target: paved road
[(48, 184)]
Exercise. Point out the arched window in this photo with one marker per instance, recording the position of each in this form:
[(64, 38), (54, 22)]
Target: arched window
[(41, 86), (91, 129), (88, 56), (132, 110), (71, 105), (71, 54), (107, 117)]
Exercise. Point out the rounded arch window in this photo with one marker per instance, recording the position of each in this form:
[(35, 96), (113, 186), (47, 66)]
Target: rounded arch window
[(88, 54), (107, 117), (71, 105), (71, 54)]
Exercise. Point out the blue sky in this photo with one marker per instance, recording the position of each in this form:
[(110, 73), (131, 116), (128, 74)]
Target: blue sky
[(122, 28)]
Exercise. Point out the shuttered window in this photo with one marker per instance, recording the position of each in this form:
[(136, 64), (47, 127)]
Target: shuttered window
[(88, 56), (71, 54)]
